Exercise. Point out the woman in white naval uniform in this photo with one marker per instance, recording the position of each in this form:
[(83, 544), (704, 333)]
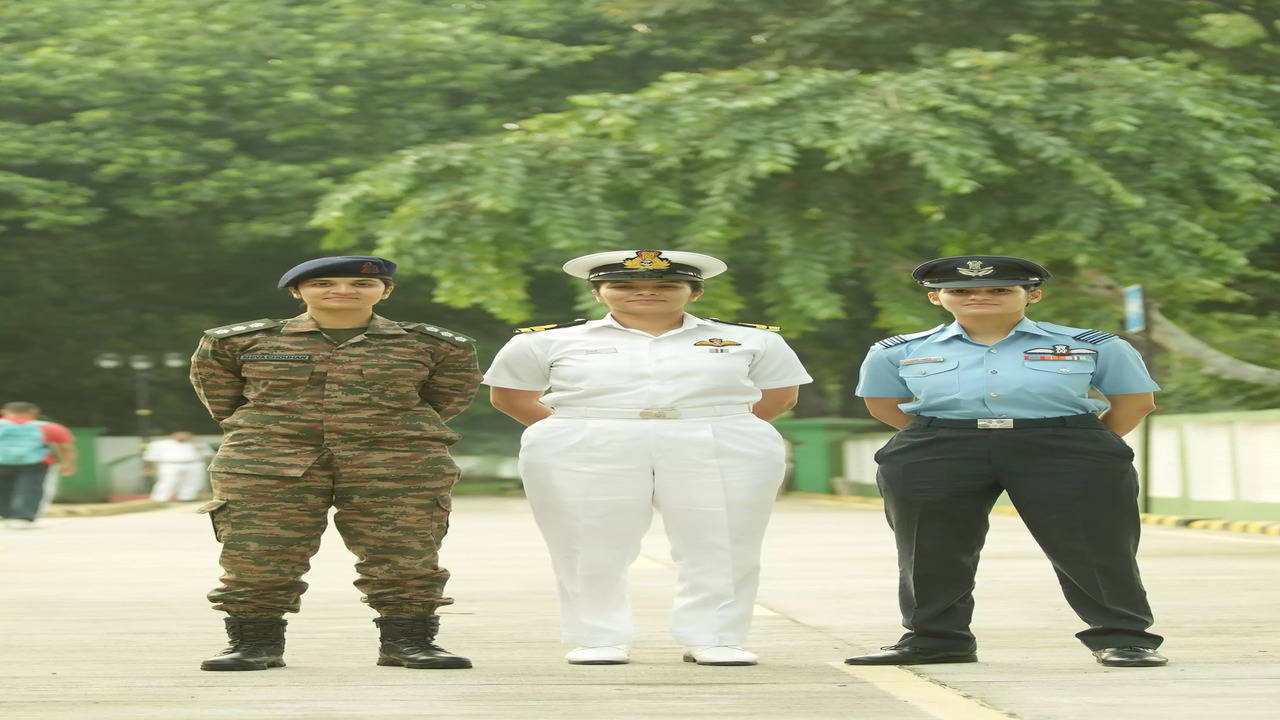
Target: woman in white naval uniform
[(650, 406)]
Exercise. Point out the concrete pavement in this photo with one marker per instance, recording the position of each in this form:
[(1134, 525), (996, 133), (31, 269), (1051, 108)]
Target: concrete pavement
[(104, 617)]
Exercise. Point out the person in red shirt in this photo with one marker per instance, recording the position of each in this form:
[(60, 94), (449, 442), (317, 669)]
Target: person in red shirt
[(27, 448)]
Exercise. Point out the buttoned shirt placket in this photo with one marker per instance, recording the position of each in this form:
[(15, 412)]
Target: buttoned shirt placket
[(999, 362), (656, 351)]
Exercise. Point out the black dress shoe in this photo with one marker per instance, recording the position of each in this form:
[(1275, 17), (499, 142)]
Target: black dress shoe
[(907, 655), (1130, 657)]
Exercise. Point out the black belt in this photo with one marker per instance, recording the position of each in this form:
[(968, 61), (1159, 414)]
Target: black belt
[(1087, 421)]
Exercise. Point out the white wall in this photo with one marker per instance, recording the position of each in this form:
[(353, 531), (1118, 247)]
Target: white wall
[(1218, 456)]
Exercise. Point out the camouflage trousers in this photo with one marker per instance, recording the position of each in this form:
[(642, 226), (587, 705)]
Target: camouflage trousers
[(270, 527)]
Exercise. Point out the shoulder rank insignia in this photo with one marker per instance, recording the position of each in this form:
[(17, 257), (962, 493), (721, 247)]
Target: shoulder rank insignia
[(443, 334), (900, 339), (552, 326), (241, 328), (1093, 337), (770, 328)]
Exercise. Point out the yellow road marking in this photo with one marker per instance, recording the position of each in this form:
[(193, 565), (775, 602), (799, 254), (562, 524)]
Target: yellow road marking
[(938, 700)]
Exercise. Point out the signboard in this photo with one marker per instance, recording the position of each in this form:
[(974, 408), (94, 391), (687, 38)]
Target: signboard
[(1135, 314)]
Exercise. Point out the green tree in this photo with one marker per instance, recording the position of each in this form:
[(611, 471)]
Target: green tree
[(159, 159), (812, 179)]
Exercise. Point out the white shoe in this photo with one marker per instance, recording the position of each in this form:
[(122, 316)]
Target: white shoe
[(720, 655), (603, 655), (20, 524)]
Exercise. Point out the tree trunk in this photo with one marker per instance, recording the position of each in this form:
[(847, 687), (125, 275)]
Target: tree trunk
[(1176, 340)]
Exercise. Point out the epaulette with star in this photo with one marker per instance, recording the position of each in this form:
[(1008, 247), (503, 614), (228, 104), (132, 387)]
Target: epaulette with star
[(442, 333), (900, 339), (242, 328), (552, 326), (770, 328)]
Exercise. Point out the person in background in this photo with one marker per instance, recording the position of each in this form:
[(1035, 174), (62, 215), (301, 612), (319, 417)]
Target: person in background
[(647, 406), (27, 448), (996, 402), (335, 408), (178, 465)]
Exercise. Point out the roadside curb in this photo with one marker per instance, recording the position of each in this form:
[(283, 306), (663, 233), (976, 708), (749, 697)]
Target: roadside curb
[(1257, 527), (1194, 522), (100, 509)]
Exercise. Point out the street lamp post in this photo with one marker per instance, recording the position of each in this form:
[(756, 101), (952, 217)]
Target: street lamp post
[(141, 366)]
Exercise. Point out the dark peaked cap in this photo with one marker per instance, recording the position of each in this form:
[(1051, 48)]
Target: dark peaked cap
[(979, 271)]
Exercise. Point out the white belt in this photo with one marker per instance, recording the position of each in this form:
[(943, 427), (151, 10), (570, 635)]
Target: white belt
[(652, 413)]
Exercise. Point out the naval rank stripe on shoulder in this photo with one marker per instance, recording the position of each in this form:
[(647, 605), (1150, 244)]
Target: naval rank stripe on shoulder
[(1093, 336), (891, 341)]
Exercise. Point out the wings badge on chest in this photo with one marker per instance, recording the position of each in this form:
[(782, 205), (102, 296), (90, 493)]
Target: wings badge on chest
[(717, 345), (1058, 352)]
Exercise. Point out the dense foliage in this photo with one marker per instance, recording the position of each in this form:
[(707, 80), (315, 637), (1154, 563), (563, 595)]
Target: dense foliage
[(160, 161)]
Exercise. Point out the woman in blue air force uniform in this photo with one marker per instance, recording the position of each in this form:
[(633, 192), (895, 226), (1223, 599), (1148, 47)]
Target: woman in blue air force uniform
[(998, 402)]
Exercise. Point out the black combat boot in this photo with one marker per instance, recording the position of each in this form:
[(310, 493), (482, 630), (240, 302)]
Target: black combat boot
[(256, 644), (409, 641)]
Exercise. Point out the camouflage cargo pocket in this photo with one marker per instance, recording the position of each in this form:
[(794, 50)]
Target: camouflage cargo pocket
[(216, 510), (440, 527)]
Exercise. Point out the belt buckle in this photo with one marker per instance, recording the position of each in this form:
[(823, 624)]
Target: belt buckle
[(995, 423), (659, 414)]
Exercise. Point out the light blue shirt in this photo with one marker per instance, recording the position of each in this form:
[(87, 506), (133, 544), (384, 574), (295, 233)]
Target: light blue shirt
[(1038, 370)]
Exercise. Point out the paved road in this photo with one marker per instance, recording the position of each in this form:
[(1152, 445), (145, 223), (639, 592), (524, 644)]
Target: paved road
[(104, 617)]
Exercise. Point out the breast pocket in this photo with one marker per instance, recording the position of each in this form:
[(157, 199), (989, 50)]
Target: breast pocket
[(272, 380), (594, 369), (1074, 374), (932, 379), (396, 384)]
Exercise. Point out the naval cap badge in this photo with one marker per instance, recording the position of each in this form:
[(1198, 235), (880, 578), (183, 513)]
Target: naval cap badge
[(647, 260)]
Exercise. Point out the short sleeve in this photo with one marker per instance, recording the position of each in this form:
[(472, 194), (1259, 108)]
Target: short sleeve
[(55, 433), (879, 377), (519, 366), (1120, 370), (777, 366)]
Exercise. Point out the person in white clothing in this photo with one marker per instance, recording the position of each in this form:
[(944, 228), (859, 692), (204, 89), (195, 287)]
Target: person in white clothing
[(650, 406), (178, 463)]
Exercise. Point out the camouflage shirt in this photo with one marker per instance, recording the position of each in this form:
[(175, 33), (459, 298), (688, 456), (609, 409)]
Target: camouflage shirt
[(284, 393)]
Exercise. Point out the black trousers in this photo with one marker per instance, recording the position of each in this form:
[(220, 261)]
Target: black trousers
[(1074, 486)]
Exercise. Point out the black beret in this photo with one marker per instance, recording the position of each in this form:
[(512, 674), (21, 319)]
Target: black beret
[(339, 266), (979, 271)]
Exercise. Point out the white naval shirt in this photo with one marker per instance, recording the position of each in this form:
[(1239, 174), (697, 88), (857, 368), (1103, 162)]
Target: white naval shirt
[(168, 450), (601, 364)]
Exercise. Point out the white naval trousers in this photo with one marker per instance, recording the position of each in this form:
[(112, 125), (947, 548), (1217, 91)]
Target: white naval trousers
[(593, 483), (185, 478)]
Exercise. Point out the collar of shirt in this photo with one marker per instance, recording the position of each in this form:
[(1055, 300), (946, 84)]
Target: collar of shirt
[(378, 325), (1025, 325), (689, 321)]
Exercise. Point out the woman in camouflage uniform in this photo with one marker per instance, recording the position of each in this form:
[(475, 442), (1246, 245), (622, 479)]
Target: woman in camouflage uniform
[(337, 407)]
